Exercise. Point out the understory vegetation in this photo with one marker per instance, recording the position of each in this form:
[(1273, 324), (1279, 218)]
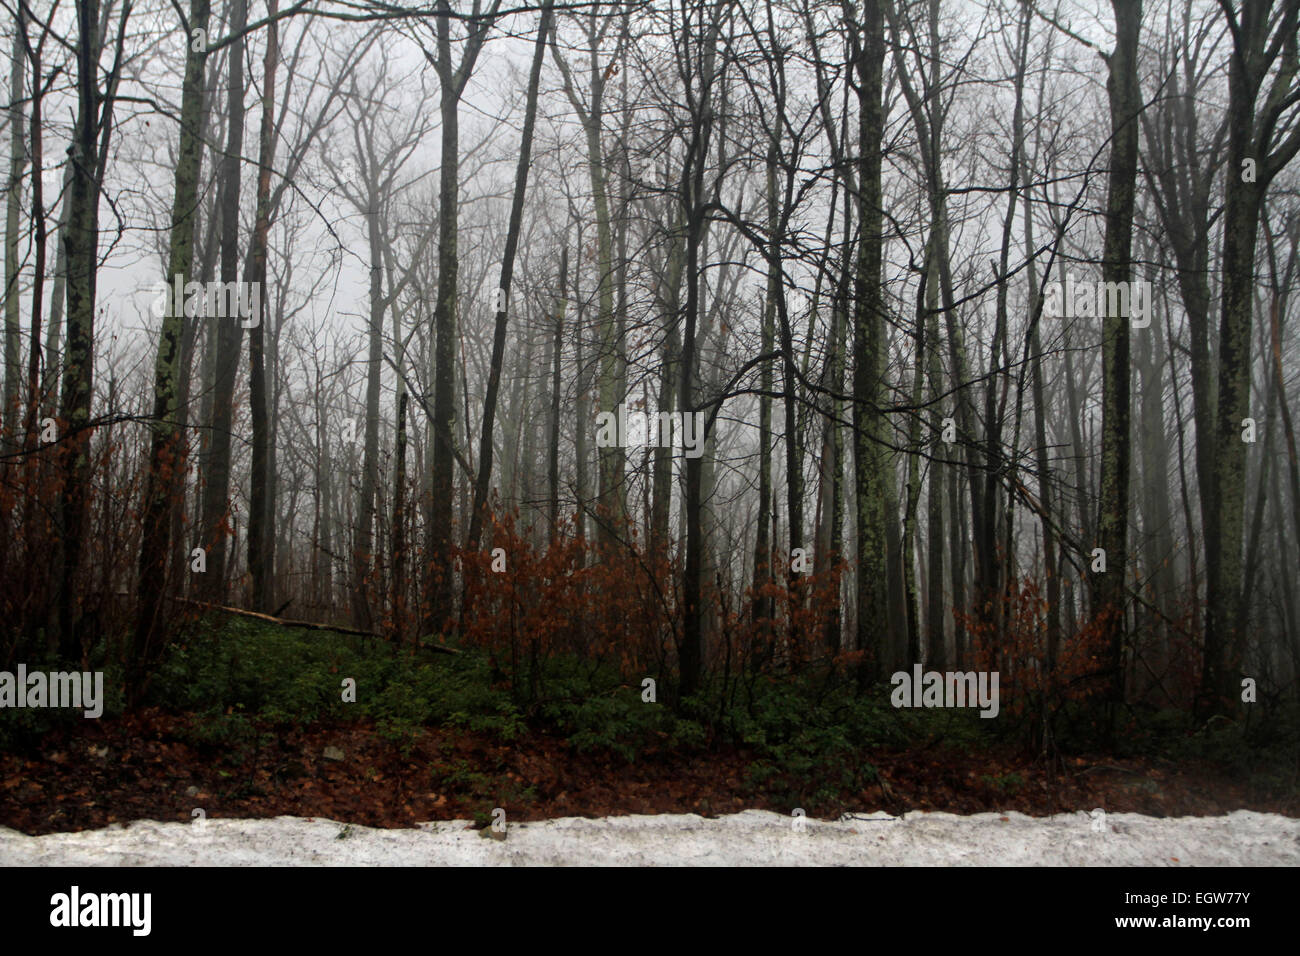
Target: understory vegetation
[(812, 738)]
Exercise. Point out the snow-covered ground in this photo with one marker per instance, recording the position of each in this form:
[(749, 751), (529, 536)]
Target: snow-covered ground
[(751, 838)]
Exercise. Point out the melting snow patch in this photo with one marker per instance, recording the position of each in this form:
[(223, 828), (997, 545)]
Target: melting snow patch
[(751, 838)]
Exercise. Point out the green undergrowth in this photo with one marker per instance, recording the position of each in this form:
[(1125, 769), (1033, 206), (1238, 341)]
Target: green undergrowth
[(806, 738), (21, 728)]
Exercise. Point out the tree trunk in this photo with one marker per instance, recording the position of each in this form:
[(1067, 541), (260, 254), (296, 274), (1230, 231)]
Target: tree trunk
[(229, 331), (1117, 267), (82, 242), (1249, 137), (763, 544), (261, 504), (164, 481), (452, 79), (444, 320), (691, 654), (507, 271), (553, 456), (869, 350), (13, 203)]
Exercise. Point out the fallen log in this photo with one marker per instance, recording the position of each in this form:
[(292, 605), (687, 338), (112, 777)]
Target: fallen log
[(308, 625)]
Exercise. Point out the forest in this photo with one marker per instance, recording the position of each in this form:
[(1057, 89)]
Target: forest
[(605, 406)]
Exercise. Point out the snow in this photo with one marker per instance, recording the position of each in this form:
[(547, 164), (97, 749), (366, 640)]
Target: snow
[(751, 838)]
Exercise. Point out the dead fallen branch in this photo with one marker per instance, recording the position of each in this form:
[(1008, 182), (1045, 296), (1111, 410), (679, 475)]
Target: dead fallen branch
[(308, 625)]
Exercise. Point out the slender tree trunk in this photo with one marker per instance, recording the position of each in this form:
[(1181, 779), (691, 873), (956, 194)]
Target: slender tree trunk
[(444, 319), (13, 203), (39, 242), (507, 272), (661, 505), (58, 299), (261, 503), (869, 350), (691, 654), (936, 611), (164, 481), (363, 550), (581, 405), (910, 531), (82, 242), (762, 607), (1053, 609), (229, 331), (399, 516), (452, 79), (610, 501), (553, 456), (1117, 267)]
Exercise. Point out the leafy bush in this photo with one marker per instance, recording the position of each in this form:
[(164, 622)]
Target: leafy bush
[(21, 728)]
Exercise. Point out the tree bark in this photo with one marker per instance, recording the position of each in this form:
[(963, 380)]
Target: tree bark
[(164, 480), (869, 350), (507, 272), (1250, 138), (1117, 267), (261, 504), (13, 207), (229, 330)]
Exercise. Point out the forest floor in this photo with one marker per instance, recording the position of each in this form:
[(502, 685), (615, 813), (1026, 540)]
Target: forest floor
[(148, 766)]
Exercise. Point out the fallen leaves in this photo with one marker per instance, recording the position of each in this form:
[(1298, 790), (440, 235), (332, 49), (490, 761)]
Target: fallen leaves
[(159, 772)]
